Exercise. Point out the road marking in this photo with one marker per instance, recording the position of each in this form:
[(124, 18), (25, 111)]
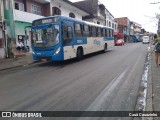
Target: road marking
[(97, 104), (100, 100)]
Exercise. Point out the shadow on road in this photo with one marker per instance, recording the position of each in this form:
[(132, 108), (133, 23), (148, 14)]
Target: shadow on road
[(56, 64), (61, 64)]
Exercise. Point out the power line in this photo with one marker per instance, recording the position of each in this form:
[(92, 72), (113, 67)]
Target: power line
[(155, 3)]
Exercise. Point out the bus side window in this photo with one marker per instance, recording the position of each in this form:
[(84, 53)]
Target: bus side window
[(78, 30), (67, 34), (112, 33), (86, 32), (93, 31), (90, 33), (105, 32), (108, 33), (98, 32)]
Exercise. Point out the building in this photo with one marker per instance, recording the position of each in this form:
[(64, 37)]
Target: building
[(110, 22), (143, 31), (95, 9), (137, 28), (2, 31), (97, 13), (124, 27), (67, 8), (24, 12), (19, 15)]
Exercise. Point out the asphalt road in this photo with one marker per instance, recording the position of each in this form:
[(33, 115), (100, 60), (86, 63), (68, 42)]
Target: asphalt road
[(100, 82)]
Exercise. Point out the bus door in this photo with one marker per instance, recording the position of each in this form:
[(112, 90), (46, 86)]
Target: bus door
[(67, 40)]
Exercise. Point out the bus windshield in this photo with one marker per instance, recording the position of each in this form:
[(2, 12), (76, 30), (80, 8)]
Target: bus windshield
[(45, 36)]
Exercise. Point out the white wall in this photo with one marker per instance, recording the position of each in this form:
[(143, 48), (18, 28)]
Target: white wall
[(67, 8), (66, 12), (25, 16)]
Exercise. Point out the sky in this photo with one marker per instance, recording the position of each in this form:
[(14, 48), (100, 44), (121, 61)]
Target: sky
[(139, 11)]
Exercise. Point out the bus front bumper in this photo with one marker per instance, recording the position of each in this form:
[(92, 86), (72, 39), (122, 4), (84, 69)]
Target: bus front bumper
[(46, 56)]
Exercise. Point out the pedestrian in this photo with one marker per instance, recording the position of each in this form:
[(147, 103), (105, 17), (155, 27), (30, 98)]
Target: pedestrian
[(157, 52), (19, 46)]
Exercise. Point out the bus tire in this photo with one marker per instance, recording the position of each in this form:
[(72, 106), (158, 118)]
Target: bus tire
[(79, 54), (105, 48)]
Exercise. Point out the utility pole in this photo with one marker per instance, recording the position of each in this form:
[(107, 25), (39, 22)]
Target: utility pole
[(158, 17), (158, 31)]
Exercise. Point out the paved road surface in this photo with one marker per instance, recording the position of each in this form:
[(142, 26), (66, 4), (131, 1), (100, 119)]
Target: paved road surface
[(100, 82)]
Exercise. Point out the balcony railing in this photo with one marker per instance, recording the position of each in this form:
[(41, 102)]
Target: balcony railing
[(25, 16)]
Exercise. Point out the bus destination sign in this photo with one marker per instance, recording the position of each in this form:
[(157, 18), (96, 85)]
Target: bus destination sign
[(47, 21)]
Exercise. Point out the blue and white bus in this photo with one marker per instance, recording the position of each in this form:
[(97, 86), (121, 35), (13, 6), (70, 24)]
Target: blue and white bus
[(59, 38)]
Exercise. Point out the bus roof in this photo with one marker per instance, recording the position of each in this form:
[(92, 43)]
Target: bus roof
[(73, 19)]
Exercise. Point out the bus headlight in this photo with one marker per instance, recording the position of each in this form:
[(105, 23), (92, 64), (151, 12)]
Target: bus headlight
[(33, 53), (57, 51)]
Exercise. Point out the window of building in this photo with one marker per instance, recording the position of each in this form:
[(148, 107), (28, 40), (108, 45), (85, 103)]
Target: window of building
[(109, 24), (56, 11), (72, 15), (7, 4), (112, 25), (35, 9), (19, 6), (98, 22)]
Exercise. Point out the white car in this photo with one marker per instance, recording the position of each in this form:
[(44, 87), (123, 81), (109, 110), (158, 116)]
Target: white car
[(145, 39)]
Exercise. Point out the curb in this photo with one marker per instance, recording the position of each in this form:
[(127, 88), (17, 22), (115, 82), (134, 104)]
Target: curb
[(8, 68), (144, 100), (149, 98), (11, 67)]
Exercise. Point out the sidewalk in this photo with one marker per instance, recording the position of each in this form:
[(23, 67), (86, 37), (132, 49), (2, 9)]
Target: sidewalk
[(155, 71), (153, 89), (16, 62)]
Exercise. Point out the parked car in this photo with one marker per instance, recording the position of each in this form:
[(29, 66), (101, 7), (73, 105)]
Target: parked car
[(119, 42), (145, 39)]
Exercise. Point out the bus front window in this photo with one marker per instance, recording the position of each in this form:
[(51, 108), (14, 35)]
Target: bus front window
[(45, 37)]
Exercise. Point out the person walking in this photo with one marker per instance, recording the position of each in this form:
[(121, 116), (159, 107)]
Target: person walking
[(157, 52)]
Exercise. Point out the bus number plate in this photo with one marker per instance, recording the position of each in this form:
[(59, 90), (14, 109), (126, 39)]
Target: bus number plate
[(43, 60)]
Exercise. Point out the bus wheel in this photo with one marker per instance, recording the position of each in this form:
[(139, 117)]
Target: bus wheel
[(79, 54), (105, 48)]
